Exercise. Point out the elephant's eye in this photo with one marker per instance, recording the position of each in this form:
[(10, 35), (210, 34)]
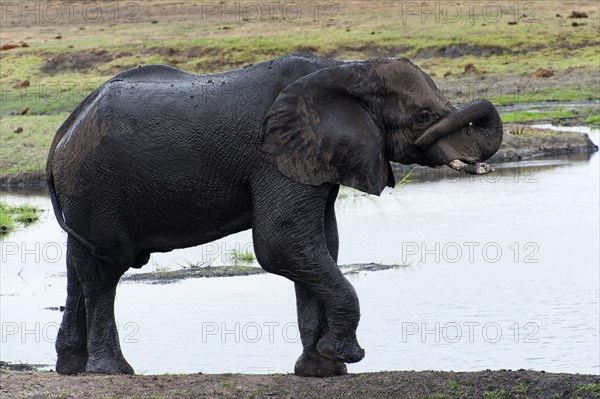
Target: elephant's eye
[(423, 116)]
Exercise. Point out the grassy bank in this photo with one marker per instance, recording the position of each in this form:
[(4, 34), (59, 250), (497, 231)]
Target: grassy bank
[(49, 64), (11, 217)]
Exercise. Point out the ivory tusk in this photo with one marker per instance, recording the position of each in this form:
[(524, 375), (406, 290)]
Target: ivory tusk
[(471, 169)]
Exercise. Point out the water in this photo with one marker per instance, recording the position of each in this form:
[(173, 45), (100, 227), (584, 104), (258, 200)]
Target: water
[(503, 272)]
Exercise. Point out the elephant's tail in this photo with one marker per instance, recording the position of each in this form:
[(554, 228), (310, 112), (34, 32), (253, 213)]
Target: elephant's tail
[(58, 213)]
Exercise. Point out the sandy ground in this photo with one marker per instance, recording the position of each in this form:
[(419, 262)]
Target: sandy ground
[(389, 384)]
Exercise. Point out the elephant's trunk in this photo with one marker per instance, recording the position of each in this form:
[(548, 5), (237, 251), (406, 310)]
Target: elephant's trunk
[(471, 134), (479, 113)]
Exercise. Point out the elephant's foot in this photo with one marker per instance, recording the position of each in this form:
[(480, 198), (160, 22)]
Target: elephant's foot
[(71, 363), (108, 365), (71, 350), (311, 364), (340, 347)]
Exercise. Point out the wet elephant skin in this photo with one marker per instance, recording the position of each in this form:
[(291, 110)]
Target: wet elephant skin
[(157, 159)]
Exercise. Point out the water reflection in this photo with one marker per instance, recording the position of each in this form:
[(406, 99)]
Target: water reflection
[(503, 274)]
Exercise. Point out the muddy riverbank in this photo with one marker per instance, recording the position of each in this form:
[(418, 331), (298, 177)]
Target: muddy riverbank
[(387, 384), (160, 277), (520, 142)]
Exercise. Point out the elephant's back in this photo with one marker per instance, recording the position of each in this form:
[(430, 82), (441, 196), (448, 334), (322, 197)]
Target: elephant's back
[(154, 122), (155, 150)]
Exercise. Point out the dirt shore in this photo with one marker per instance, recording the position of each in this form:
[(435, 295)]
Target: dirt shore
[(387, 384)]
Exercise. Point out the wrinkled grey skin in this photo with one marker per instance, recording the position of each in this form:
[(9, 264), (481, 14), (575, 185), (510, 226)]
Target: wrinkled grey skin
[(157, 159)]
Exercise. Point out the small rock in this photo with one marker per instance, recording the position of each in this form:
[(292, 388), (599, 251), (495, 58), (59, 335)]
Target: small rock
[(512, 22), (59, 308), (578, 14), (8, 46), (18, 130), (22, 84), (576, 24), (471, 68), (558, 16), (154, 21), (541, 73), (58, 37)]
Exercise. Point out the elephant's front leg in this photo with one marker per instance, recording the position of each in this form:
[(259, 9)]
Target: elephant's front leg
[(312, 323), (312, 320), (291, 241)]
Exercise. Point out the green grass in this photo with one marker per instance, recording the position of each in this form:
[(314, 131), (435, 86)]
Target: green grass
[(405, 179), (241, 256), (197, 264), (496, 394), (534, 94), (593, 119), (28, 149), (522, 388), (11, 217), (528, 116), (360, 32), (591, 389)]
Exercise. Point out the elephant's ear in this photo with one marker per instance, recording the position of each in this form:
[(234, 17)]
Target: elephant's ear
[(318, 130)]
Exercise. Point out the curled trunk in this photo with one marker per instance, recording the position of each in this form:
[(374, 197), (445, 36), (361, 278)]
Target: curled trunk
[(471, 134)]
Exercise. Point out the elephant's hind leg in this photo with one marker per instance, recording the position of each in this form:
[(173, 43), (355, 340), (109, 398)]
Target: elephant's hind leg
[(71, 342), (98, 282)]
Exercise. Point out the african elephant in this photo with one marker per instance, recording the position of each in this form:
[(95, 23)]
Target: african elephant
[(157, 159)]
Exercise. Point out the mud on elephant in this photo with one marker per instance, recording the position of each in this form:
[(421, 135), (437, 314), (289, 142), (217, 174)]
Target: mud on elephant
[(157, 159)]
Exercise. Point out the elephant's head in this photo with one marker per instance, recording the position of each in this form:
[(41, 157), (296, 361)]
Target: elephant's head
[(344, 124)]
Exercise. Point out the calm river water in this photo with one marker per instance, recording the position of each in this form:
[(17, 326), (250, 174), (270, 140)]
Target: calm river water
[(500, 272)]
